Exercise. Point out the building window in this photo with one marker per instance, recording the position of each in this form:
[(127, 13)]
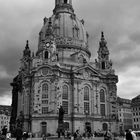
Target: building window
[(86, 93), (86, 107), (44, 101), (102, 106), (133, 114), (46, 55), (65, 106), (102, 95), (65, 1), (44, 110), (45, 88), (137, 126), (103, 65), (65, 92), (44, 96)]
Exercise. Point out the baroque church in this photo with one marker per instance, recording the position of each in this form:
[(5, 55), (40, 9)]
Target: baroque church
[(60, 73)]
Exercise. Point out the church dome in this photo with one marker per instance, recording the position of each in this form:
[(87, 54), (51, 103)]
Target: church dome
[(67, 29)]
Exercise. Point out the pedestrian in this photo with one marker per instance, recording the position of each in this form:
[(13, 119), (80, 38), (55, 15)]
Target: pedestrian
[(128, 135), (19, 133), (108, 135), (133, 134), (4, 132)]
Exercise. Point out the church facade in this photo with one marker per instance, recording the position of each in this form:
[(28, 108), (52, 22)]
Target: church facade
[(61, 74)]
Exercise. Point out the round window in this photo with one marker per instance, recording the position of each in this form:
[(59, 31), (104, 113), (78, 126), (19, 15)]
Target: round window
[(44, 71)]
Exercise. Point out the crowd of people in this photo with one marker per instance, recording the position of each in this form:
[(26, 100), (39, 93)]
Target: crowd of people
[(108, 135), (19, 135), (129, 135)]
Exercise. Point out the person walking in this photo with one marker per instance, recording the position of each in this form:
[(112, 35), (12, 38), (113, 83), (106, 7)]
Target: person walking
[(128, 135), (108, 135), (4, 132), (133, 134)]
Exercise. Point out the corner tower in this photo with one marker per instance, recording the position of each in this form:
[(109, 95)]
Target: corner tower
[(103, 55)]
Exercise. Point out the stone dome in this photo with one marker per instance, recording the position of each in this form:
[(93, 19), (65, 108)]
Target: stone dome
[(67, 29)]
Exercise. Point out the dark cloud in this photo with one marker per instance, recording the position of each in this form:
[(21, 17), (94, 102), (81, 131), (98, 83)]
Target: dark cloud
[(22, 20)]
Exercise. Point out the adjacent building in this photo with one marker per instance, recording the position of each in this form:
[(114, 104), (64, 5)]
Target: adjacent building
[(5, 114), (62, 73), (124, 114), (136, 112)]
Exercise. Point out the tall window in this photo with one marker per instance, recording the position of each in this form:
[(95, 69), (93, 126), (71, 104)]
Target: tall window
[(65, 92), (44, 95), (102, 95), (102, 109), (45, 88), (65, 106), (86, 100), (65, 1), (44, 110), (86, 93), (65, 98), (103, 65), (86, 107), (46, 55)]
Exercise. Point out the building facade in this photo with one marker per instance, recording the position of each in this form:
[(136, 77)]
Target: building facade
[(5, 114), (124, 114), (135, 105), (61, 73)]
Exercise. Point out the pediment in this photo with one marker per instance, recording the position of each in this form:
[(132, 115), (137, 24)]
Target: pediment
[(43, 71), (87, 72)]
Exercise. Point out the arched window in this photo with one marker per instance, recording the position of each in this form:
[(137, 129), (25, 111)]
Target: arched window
[(46, 55), (45, 88), (86, 100), (102, 95), (65, 92), (103, 65), (44, 128), (65, 98), (86, 93), (105, 126), (65, 1)]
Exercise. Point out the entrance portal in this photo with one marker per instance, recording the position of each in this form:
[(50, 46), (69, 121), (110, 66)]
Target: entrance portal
[(88, 127), (105, 127), (44, 128)]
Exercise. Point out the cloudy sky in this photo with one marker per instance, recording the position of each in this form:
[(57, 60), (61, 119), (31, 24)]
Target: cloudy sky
[(119, 19)]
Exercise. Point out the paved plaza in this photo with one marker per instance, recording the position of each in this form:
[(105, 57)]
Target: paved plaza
[(96, 138)]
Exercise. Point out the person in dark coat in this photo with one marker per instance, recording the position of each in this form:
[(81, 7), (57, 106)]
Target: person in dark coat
[(4, 131), (128, 135), (108, 135), (19, 133)]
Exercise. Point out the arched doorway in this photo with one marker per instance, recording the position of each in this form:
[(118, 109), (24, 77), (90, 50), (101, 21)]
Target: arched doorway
[(105, 127), (88, 127), (66, 125), (44, 128)]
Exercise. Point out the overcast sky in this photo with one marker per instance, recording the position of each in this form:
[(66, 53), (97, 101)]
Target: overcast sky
[(21, 20)]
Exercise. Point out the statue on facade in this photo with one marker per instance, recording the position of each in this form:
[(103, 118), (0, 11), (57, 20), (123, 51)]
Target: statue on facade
[(60, 129)]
